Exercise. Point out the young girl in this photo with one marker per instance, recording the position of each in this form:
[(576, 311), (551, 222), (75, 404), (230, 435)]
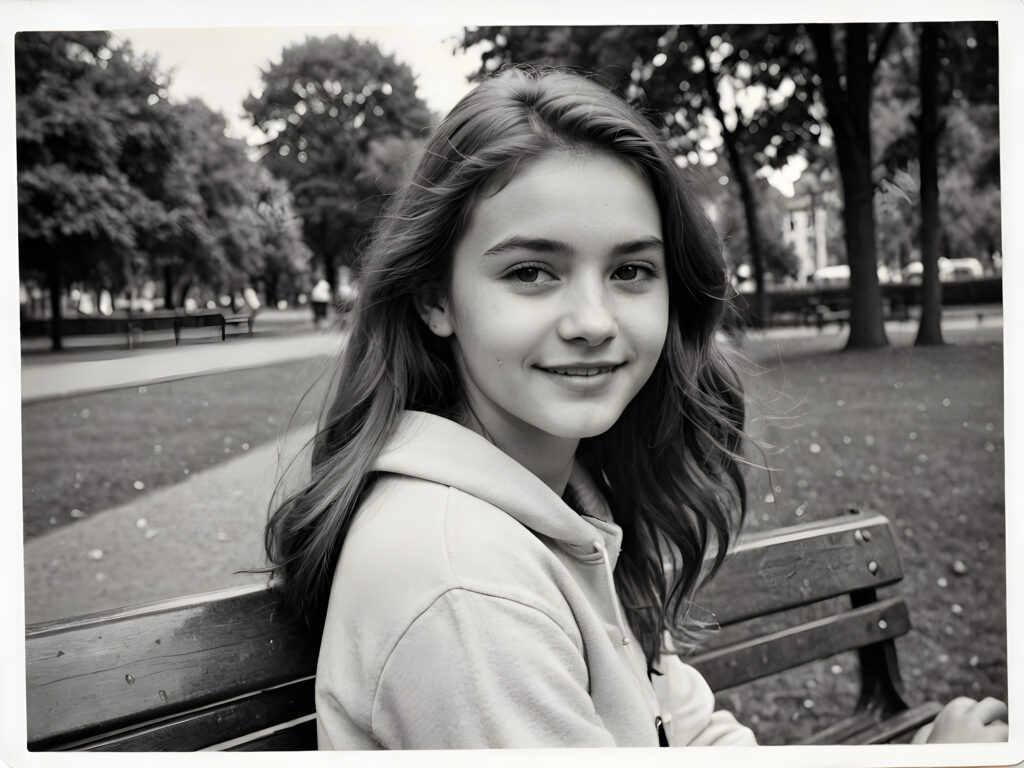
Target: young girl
[(531, 443)]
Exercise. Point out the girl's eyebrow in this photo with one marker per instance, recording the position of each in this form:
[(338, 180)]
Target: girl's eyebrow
[(544, 245), (535, 244), (636, 246)]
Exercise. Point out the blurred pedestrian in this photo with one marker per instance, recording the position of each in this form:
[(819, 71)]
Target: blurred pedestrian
[(320, 297)]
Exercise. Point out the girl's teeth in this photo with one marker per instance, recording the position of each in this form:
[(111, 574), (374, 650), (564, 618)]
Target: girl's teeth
[(578, 371)]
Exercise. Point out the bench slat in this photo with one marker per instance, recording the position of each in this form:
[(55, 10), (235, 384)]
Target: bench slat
[(899, 725), (295, 736), (763, 656), (866, 727), (126, 667), (800, 565), (202, 728)]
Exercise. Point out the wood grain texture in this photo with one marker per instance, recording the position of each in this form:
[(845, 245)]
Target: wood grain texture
[(898, 726), (803, 564), (290, 738), (762, 656), (125, 667), (207, 727)]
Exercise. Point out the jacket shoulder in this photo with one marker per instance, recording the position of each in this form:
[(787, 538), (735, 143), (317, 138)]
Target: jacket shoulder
[(412, 542)]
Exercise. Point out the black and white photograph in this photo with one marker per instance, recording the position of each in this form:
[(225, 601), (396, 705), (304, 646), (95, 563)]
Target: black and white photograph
[(480, 381)]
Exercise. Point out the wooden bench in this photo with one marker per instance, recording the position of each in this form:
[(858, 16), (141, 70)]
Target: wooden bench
[(213, 318), (823, 313), (245, 318), (231, 671), (173, 320), (894, 308)]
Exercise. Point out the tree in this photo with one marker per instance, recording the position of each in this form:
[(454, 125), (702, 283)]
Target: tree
[(953, 139), (232, 223), (94, 141), (930, 329), (846, 85), (285, 255), (949, 48), (322, 107)]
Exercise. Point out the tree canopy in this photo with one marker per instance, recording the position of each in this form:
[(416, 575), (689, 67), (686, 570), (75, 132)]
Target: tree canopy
[(95, 141), (332, 108), (117, 184)]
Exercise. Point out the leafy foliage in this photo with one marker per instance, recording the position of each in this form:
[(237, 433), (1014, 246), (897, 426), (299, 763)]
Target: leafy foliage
[(116, 184), (333, 109), (95, 140)]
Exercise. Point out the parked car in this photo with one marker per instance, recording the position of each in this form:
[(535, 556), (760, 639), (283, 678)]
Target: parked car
[(949, 269), (839, 274)]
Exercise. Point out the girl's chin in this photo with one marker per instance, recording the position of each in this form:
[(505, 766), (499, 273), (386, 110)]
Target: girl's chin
[(578, 429)]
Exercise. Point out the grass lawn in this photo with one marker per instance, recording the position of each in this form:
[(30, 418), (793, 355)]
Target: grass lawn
[(82, 455), (913, 433)]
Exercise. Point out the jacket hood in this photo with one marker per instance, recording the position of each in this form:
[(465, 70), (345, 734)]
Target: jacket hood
[(437, 449)]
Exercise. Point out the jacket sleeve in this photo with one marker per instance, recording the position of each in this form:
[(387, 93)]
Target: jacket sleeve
[(476, 670), (688, 709)]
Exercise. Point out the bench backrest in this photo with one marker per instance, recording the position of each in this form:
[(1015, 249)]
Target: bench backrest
[(780, 570), (231, 670), (175, 675)]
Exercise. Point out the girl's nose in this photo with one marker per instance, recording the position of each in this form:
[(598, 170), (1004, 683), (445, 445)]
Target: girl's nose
[(587, 316)]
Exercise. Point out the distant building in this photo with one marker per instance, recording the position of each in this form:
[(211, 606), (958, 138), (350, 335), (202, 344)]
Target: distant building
[(806, 224)]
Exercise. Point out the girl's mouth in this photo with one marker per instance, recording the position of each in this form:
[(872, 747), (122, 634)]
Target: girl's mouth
[(581, 371)]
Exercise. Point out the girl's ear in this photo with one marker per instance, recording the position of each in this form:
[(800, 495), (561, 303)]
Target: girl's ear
[(432, 306)]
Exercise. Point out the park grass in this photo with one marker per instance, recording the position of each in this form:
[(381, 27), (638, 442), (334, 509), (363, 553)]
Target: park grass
[(917, 435), (84, 454)]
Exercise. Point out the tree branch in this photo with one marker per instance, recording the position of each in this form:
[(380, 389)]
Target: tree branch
[(835, 97), (881, 46)]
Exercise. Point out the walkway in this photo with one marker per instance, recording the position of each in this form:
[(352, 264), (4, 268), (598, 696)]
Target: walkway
[(50, 376)]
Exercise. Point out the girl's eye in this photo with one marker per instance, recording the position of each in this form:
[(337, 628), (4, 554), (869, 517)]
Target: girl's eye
[(632, 272), (527, 274)]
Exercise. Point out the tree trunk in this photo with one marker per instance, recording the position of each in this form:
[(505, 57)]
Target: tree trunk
[(270, 288), (185, 288), (169, 287), (930, 329), (849, 115), (327, 253), (761, 311), (760, 315), (54, 284)]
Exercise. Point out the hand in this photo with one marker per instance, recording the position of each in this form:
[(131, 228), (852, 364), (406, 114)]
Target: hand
[(964, 720)]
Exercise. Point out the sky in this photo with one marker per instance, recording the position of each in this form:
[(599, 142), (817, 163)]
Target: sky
[(221, 66)]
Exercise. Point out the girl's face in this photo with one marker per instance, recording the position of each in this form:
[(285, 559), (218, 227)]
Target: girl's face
[(558, 302)]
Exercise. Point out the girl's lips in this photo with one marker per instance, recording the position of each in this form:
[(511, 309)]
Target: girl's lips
[(582, 370)]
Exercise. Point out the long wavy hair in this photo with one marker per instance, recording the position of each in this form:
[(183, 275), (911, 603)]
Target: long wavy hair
[(669, 467)]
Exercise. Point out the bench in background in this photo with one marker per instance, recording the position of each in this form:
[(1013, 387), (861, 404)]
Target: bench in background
[(172, 320), (231, 670)]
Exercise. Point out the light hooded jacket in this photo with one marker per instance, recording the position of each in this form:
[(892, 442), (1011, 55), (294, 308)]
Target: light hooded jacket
[(472, 607)]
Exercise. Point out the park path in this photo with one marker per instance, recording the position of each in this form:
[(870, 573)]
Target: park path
[(50, 377)]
